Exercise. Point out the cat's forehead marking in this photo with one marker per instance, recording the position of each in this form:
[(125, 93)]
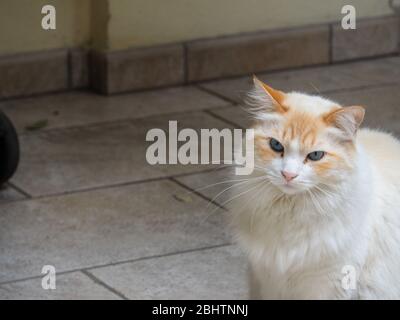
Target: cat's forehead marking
[(304, 120), (301, 127)]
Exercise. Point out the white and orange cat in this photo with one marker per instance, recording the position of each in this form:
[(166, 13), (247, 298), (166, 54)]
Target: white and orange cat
[(324, 199)]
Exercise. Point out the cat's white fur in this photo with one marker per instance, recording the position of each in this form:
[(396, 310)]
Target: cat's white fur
[(299, 245)]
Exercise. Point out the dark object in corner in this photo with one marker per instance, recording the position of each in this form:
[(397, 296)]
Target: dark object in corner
[(9, 149)]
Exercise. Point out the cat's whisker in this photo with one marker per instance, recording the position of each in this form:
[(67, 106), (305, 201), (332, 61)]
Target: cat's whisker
[(314, 87), (241, 194), (252, 179), (212, 201), (255, 195), (230, 187), (218, 183), (325, 192)]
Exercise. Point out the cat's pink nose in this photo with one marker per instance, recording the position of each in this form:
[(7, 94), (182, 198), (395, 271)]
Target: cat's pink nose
[(289, 176)]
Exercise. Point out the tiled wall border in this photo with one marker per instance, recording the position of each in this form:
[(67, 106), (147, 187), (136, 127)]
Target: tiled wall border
[(194, 61)]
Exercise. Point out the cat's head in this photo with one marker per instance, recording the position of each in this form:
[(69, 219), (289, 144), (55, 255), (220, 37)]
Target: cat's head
[(302, 141)]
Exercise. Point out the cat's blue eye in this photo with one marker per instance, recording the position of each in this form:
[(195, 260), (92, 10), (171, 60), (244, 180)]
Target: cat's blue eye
[(316, 155), (276, 145)]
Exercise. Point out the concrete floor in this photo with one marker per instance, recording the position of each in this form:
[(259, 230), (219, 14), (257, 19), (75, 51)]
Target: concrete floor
[(85, 200)]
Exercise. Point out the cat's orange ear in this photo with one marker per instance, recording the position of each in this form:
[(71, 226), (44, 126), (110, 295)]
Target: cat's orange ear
[(276, 97), (347, 119)]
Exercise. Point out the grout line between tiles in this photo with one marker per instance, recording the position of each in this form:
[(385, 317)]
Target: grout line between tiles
[(103, 123), (103, 284), (198, 193), (113, 122), (216, 116), (122, 262), (369, 86), (20, 190), (216, 94), (110, 186), (160, 256)]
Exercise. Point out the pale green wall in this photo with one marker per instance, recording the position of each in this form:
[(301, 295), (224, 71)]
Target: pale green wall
[(118, 24), (143, 23), (20, 25)]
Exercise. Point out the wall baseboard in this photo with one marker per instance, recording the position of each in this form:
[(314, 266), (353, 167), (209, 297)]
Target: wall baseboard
[(27, 74)]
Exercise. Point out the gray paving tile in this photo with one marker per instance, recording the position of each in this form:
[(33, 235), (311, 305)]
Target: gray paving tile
[(83, 108), (104, 226), (212, 184), (73, 159), (395, 60), (382, 106), (374, 72), (235, 115), (71, 286), (218, 273), (315, 79), (8, 193)]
